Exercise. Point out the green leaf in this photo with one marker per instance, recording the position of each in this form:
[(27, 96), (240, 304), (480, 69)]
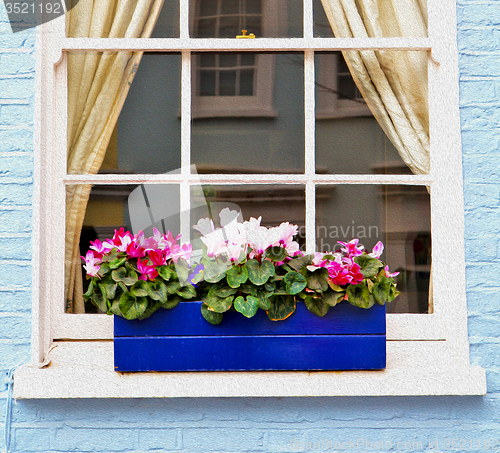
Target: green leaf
[(150, 310), (236, 276), (164, 272), (140, 288), (270, 286), (187, 292), (369, 266), (359, 296), (90, 290), (264, 301), (334, 286), (173, 287), (158, 291), (317, 280), (281, 308), (276, 254), (332, 298), (99, 300), (110, 256), (247, 307), (316, 306), (103, 269), (259, 274), (393, 293), (300, 262), (295, 282), (115, 264), (222, 290), (172, 302), (210, 316), (182, 272), (381, 292), (215, 271), (121, 275), (218, 304), (115, 308), (132, 307)]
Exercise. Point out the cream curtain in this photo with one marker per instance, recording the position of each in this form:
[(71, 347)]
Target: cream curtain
[(98, 84), (393, 83)]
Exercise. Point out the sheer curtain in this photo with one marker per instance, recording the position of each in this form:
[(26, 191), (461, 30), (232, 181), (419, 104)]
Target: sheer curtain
[(98, 85), (393, 83)]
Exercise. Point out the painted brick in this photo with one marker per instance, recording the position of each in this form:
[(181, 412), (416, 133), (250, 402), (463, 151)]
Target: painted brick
[(486, 325), (16, 114), (479, 222), (15, 274), (15, 221), (16, 166), (475, 39), (15, 248), (15, 88), (223, 439), (31, 439), (479, 65), (16, 194), (487, 195), (480, 118), (478, 14), (481, 250), (483, 301), (153, 439), (17, 64), (478, 276), (477, 91), (15, 326), (78, 439), (479, 142), (16, 140)]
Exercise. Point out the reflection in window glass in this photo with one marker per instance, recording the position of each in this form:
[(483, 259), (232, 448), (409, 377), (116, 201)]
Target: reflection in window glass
[(133, 207), (248, 118), (397, 215), (349, 139), (262, 18), (147, 136), (276, 204)]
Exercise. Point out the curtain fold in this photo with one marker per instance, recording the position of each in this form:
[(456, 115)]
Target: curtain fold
[(98, 85), (393, 83)]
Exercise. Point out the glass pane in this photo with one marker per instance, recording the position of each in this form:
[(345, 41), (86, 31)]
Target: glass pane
[(394, 26), (397, 215), (133, 207), (275, 203), (349, 139), (227, 18), (167, 25), (146, 137), (255, 121)]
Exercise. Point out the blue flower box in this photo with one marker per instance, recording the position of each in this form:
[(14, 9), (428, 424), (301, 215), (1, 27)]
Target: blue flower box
[(347, 338)]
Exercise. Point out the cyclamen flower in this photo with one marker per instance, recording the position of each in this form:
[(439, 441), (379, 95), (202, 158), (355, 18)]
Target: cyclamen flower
[(388, 274), (377, 250), (351, 249), (135, 251), (158, 257), (183, 251), (344, 273), (100, 248), (91, 263), (146, 270)]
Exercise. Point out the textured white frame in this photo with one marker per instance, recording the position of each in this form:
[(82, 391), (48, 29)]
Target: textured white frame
[(427, 354)]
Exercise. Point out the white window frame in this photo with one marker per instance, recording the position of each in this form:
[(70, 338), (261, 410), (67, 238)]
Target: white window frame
[(427, 354)]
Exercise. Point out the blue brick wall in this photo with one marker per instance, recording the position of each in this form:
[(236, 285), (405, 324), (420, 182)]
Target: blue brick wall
[(252, 424)]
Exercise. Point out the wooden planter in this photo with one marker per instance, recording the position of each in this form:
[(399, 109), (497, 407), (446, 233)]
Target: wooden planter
[(347, 338)]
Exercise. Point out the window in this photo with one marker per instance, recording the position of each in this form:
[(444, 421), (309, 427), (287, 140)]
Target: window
[(302, 161)]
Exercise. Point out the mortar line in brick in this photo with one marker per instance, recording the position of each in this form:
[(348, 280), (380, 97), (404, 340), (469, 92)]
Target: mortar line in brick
[(18, 101), (15, 127)]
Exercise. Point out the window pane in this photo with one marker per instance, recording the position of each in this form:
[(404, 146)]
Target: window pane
[(275, 203), (349, 139), (390, 28), (263, 18), (255, 121), (133, 207), (397, 215), (167, 25), (146, 137)]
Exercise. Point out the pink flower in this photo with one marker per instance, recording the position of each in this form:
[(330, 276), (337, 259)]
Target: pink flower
[(100, 248), (346, 272), (388, 274), (91, 263), (135, 251), (377, 250), (351, 248), (158, 257), (146, 270), (183, 251)]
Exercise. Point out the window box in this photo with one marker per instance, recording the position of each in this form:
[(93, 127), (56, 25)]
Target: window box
[(347, 338)]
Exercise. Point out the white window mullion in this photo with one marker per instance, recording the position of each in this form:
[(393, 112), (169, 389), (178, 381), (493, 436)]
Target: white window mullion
[(309, 156), (185, 202), (308, 19), (184, 19)]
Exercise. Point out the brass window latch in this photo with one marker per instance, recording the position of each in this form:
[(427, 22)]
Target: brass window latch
[(244, 35)]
